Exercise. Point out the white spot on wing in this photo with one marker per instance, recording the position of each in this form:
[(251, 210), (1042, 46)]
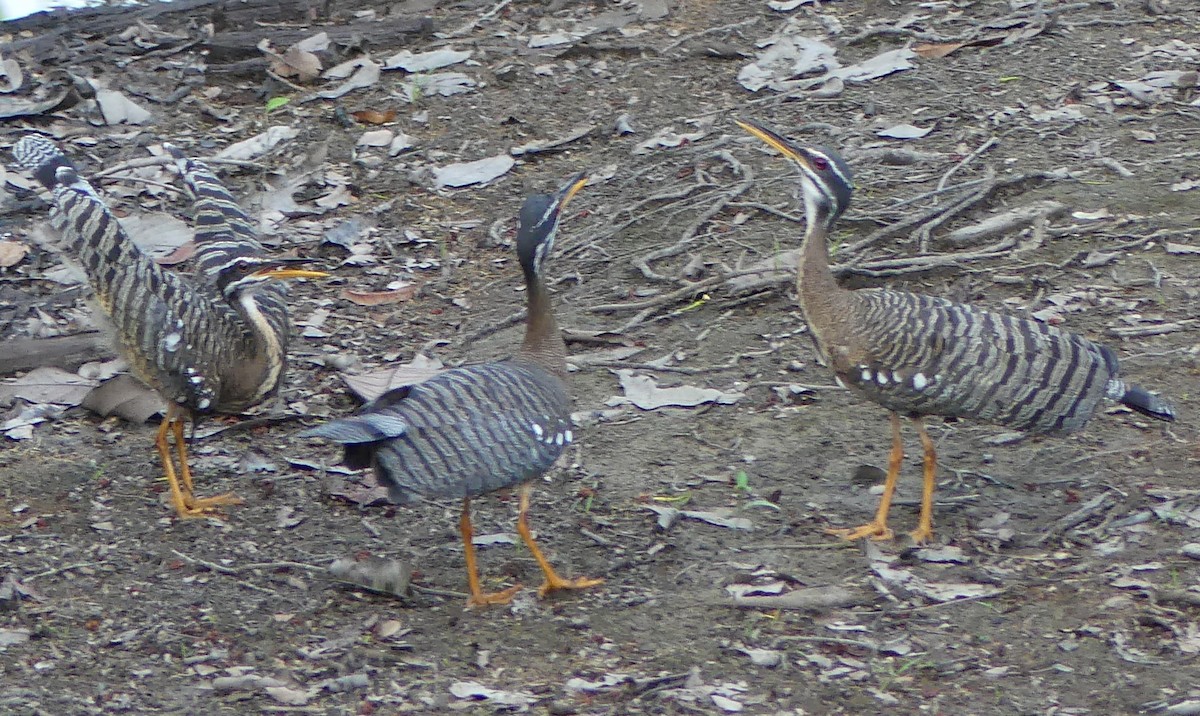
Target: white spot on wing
[(569, 436), (171, 342), (919, 381), (881, 378), (204, 403), (537, 430), (866, 375), (558, 439)]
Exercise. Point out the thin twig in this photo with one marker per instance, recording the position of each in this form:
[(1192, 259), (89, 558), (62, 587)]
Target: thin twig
[(991, 142)]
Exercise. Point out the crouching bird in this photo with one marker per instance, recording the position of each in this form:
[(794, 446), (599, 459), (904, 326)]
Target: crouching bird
[(918, 355), (480, 428), (215, 344)]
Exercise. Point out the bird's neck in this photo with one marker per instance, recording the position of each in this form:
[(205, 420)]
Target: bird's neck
[(257, 372), (822, 300), (543, 342)]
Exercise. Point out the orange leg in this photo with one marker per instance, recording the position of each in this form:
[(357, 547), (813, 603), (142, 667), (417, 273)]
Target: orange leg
[(164, 452), (553, 582), (199, 505), (478, 597), (877, 528), (924, 531)]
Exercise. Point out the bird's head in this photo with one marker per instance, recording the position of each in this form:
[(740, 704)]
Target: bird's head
[(537, 224), (825, 179), (247, 274)]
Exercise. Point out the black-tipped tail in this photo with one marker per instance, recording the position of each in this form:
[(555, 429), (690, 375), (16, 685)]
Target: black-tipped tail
[(42, 158), (1146, 403), (365, 428)]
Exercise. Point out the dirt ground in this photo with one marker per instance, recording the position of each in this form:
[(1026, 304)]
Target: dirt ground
[(1065, 576)]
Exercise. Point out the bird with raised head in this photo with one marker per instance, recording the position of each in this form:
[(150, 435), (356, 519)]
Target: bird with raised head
[(918, 355), (216, 344), (479, 428)]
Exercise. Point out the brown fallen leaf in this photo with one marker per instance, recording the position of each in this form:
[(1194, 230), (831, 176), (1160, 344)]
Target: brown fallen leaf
[(374, 116), (125, 396), (379, 298), (11, 253), (182, 253), (936, 50)]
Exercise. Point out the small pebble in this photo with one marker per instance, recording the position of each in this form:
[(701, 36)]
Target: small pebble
[(1191, 549)]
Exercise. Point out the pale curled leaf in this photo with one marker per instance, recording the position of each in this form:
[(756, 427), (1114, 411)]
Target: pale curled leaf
[(425, 61), (288, 695), (11, 253), (643, 392), (158, 234), (480, 171), (126, 397), (48, 385), (378, 574), (116, 108), (477, 691), (11, 76), (259, 144), (366, 74), (904, 131), (12, 637), (370, 386)]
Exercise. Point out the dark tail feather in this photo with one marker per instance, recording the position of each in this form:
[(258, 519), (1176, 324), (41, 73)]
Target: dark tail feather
[(41, 157), (1146, 403), (364, 428)]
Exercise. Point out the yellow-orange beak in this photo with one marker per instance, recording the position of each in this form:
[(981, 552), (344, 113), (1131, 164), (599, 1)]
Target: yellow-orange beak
[(779, 143), (281, 272), (579, 182)]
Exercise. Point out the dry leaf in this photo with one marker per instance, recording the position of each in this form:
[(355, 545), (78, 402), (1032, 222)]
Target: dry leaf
[(425, 61), (182, 253), (11, 77), (48, 385), (374, 116), (935, 50), (904, 131), (378, 574), (643, 391), (372, 385), (477, 691), (480, 171), (116, 108), (11, 253), (125, 396), (379, 298)]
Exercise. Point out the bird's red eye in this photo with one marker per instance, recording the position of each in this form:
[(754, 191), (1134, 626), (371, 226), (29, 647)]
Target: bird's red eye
[(820, 163)]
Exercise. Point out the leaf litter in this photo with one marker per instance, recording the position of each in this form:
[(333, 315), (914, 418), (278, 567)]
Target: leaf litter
[(835, 671)]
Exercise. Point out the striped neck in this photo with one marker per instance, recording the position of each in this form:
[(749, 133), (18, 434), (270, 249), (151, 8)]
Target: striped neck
[(543, 342), (256, 376), (815, 284)]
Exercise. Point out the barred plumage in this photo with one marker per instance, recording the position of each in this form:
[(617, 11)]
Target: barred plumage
[(919, 355), (216, 346), (479, 428), (462, 433), (935, 357)]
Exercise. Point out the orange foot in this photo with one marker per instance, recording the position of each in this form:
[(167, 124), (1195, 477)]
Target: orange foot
[(875, 529), (192, 507), (922, 534), (554, 585), (484, 599)]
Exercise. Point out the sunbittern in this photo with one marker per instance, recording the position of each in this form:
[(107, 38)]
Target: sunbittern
[(918, 355), (216, 345), (480, 428)]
